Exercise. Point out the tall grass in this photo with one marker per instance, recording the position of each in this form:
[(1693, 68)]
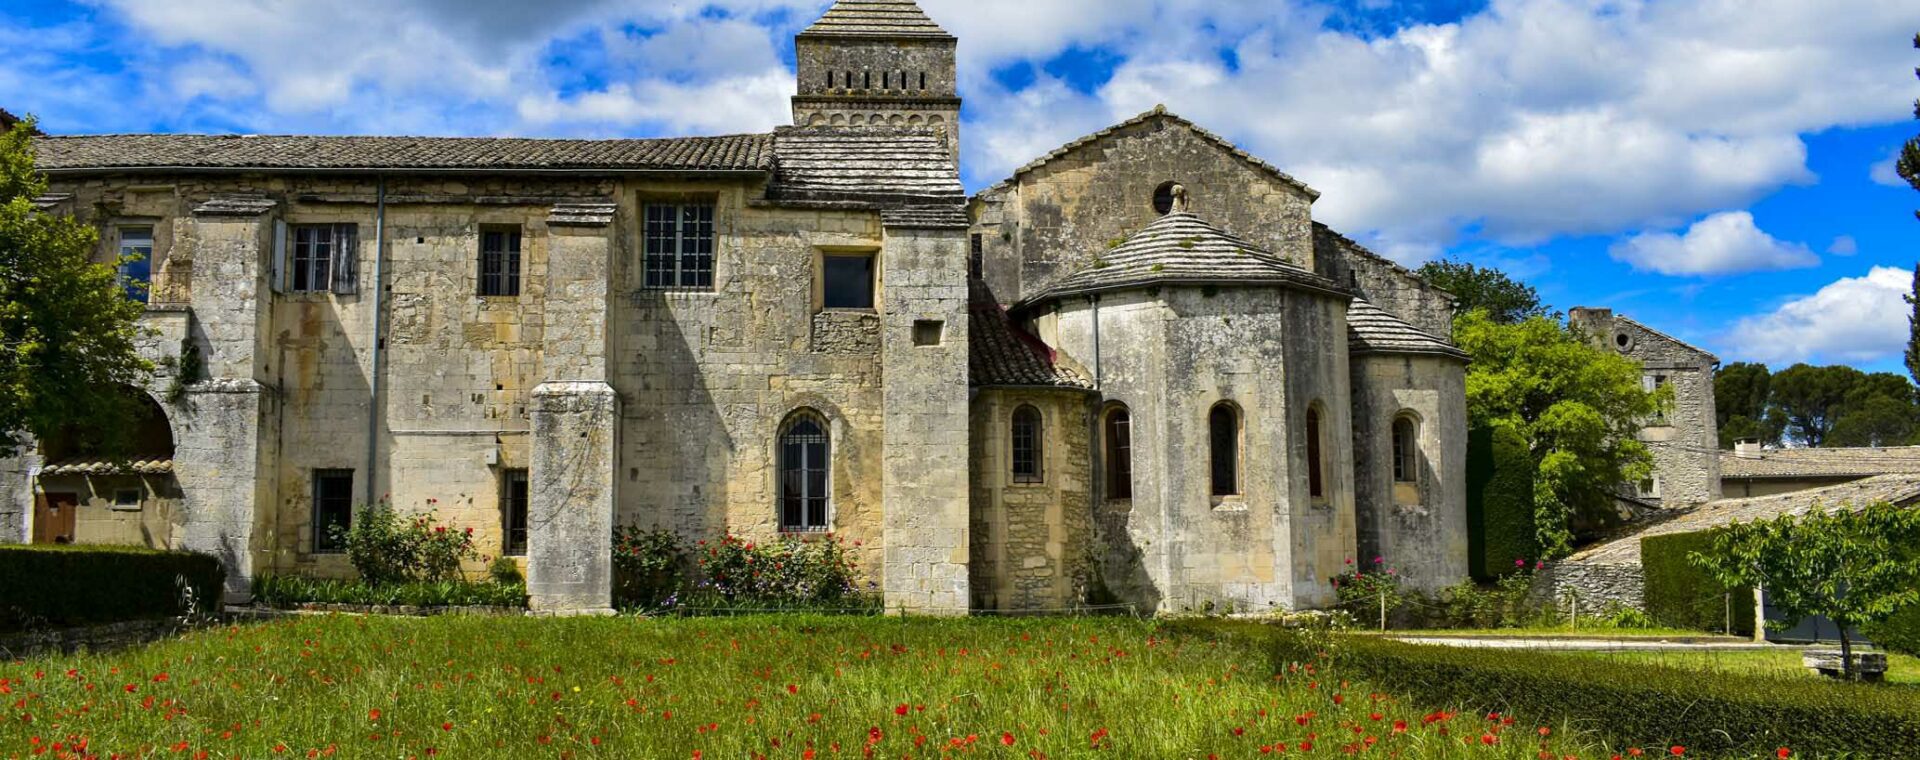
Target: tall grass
[(722, 688)]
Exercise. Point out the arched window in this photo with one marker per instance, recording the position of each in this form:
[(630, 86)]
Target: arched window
[(804, 464), (1119, 443), (1223, 425), (1406, 450), (1028, 446), (1316, 469)]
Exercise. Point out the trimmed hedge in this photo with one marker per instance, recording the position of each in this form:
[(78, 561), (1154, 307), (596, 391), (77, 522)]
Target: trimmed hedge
[(1901, 634), (291, 590), (1680, 595), (68, 586), (1626, 704), (1499, 502)]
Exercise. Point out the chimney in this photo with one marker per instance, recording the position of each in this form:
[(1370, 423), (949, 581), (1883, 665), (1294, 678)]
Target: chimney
[(1748, 448)]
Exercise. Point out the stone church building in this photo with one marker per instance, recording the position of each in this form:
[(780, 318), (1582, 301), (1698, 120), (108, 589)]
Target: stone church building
[(1136, 371)]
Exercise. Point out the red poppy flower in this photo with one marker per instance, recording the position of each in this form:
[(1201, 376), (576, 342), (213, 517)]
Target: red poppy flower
[(1678, 750), (1007, 739), (373, 715), (1783, 753)]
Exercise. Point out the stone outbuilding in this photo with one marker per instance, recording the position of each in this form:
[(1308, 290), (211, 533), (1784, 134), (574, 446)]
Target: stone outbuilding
[(1134, 374)]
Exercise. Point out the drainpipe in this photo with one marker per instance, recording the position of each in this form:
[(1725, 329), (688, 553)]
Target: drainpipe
[(379, 330), (1097, 384)]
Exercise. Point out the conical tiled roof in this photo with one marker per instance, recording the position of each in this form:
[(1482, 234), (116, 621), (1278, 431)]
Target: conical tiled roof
[(875, 18), (1371, 330), (1180, 248)]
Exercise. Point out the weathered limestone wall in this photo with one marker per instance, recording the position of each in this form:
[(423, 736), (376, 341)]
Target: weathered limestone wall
[(100, 519), (878, 93), (925, 407), (1686, 439), (1393, 288), (1170, 358), (1425, 538), (1032, 542), (1056, 219), (16, 495), (571, 498), (1596, 586)]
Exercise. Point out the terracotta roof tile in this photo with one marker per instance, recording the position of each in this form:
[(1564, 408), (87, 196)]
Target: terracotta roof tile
[(106, 467), (1799, 463), (1000, 354), (135, 152), (1898, 489)]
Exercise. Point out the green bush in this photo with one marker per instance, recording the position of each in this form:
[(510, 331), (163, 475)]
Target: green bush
[(1501, 604), (649, 567), (786, 570), (290, 590), (1627, 704), (1681, 595), (1499, 502), (1900, 634), (64, 586), (386, 548), (505, 571)]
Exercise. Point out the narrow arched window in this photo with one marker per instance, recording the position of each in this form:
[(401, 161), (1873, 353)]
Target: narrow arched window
[(1316, 470), (1119, 443), (1028, 446), (1223, 425), (804, 465), (1406, 450)]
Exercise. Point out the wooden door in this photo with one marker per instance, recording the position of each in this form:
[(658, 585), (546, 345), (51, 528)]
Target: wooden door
[(53, 518)]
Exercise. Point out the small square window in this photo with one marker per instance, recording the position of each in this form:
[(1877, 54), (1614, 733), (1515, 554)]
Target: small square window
[(126, 500), (928, 332), (848, 281)]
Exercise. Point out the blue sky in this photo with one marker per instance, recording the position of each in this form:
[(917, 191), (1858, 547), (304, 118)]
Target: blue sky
[(1716, 168)]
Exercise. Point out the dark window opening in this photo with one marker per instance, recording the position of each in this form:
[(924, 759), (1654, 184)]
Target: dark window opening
[(324, 258), (869, 80), (1028, 446), (977, 257), (1119, 454), (135, 265), (1223, 424), (1406, 452), (1316, 478), (1163, 198), (500, 262), (929, 332), (923, 80), (848, 282), (513, 513), (886, 80), (804, 449), (332, 510), (679, 246)]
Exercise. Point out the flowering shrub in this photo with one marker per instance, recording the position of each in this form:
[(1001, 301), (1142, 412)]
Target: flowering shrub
[(1363, 593), (1501, 604), (648, 567), (386, 548), (291, 590), (788, 570)]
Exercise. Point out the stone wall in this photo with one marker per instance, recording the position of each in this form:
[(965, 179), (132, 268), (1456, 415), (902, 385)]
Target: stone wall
[(1424, 538), (1596, 586), (1059, 217), (1170, 357), (1685, 439), (876, 94), (1393, 288), (1032, 543), (16, 495)]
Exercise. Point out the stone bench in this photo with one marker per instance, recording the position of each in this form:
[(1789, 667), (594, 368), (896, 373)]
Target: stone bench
[(1869, 666)]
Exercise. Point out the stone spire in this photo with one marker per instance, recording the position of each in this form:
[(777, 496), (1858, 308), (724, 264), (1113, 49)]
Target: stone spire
[(878, 63)]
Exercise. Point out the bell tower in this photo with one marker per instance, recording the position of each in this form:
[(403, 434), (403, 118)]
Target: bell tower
[(878, 63)]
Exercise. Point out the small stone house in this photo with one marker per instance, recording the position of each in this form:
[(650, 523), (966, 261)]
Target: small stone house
[(1684, 437), (1136, 372)]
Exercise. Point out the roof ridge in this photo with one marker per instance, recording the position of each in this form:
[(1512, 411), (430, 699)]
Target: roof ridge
[(1358, 247), (875, 18), (1663, 334), (1158, 111), (475, 138)]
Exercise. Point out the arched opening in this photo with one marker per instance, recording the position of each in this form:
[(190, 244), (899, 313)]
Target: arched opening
[(1223, 427), (1029, 445), (117, 470), (1163, 198), (1118, 443), (1316, 450), (145, 436), (805, 469), (1407, 460)]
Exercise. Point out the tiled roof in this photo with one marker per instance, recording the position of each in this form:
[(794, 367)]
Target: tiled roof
[(888, 166), (1804, 463), (1000, 354), (875, 18), (926, 217), (1898, 489), (1180, 248), (135, 152), (1371, 330), (1158, 112), (106, 467)]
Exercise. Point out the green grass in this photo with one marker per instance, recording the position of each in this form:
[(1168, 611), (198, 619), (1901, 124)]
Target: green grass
[(1901, 669), (720, 688), (1562, 632)]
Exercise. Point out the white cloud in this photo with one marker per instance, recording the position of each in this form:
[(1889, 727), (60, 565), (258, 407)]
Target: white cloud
[(1725, 243), (1857, 319), (1844, 245), (1886, 172)]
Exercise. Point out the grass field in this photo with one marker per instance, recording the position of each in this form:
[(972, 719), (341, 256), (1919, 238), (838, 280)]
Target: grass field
[(1901, 669), (781, 687)]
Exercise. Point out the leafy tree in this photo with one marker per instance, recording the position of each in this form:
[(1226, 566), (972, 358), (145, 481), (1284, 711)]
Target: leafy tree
[(1506, 300), (1741, 393), (1913, 327), (1909, 164), (1808, 401), (67, 329), (1876, 421), (1578, 408), (1854, 568)]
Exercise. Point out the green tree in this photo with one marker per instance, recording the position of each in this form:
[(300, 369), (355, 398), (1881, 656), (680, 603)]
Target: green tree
[(1879, 410), (1505, 299), (1913, 327), (1852, 567), (67, 329), (1578, 408), (1909, 164), (1741, 393), (1808, 401)]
